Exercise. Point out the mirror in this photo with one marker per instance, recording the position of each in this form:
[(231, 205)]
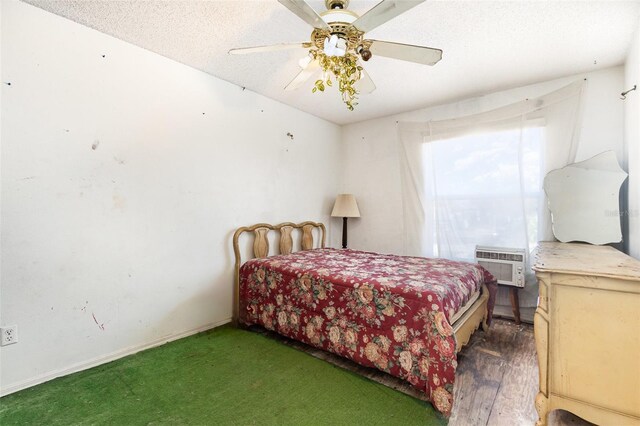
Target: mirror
[(584, 200)]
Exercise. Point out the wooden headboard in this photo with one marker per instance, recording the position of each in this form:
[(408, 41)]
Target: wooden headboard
[(261, 246)]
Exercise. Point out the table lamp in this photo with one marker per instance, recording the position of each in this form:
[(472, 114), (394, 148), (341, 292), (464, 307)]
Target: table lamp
[(345, 207)]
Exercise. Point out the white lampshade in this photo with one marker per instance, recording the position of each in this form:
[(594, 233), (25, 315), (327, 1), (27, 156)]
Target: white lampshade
[(345, 206)]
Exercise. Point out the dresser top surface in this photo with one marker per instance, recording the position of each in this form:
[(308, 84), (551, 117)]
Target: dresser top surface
[(585, 259)]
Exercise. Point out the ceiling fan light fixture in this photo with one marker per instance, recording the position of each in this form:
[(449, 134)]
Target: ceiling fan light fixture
[(335, 46), (364, 52)]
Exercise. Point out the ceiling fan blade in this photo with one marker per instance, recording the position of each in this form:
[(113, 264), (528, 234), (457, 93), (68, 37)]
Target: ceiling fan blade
[(383, 12), (270, 48), (365, 84), (406, 52), (305, 12), (303, 75)]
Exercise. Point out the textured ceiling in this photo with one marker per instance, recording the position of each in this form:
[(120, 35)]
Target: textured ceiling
[(488, 45)]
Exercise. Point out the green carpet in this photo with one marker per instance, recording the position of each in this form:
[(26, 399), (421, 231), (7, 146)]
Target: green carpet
[(223, 376)]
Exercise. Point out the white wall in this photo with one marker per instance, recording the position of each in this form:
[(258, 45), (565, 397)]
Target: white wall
[(632, 141), (124, 175), (373, 164)]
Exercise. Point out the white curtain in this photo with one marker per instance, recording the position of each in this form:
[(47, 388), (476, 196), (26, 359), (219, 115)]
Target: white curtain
[(443, 203)]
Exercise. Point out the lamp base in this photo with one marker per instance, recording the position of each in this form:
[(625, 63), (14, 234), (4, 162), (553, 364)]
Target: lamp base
[(344, 232)]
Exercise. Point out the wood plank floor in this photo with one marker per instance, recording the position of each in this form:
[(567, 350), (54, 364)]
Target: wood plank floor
[(496, 380)]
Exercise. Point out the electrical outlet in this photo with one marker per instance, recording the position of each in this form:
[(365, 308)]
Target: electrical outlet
[(8, 335)]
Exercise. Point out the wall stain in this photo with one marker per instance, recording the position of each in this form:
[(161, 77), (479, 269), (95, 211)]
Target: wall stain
[(119, 161), (95, 144), (100, 326), (119, 202)]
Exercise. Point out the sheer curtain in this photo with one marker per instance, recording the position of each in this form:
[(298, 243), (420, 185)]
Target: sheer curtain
[(555, 115), (483, 189), (477, 179)]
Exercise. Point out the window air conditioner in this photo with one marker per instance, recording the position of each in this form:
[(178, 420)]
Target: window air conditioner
[(505, 264)]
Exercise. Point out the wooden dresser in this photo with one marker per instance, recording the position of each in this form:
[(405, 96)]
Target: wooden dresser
[(587, 331)]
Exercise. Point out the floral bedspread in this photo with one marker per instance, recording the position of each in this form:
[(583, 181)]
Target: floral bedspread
[(384, 311)]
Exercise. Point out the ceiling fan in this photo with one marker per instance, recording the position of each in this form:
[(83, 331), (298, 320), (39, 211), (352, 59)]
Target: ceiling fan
[(337, 44)]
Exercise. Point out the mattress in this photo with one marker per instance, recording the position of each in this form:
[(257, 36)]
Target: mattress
[(389, 312)]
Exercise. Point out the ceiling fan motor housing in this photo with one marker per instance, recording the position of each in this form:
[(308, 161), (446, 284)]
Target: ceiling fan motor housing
[(339, 20)]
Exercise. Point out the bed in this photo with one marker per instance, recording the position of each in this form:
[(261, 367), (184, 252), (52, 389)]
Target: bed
[(407, 316)]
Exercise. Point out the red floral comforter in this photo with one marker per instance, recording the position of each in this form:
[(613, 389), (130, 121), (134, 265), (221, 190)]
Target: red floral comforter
[(383, 311)]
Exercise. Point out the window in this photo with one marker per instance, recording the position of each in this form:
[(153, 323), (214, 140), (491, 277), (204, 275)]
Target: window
[(483, 189), (476, 178)]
